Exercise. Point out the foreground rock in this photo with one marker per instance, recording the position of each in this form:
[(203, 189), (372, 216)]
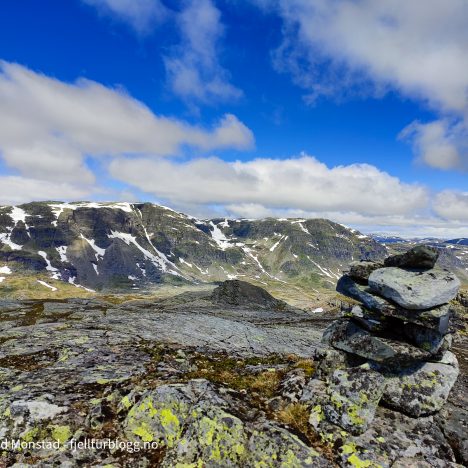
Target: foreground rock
[(205, 383), (195, 426)]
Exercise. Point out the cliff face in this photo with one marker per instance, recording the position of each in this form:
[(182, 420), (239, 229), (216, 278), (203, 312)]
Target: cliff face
[(106, 246)]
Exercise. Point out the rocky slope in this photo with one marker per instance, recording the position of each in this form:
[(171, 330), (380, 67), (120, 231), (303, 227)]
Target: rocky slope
[(121, 246)]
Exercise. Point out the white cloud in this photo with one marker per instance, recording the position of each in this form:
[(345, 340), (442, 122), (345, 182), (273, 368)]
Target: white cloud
[(15, 190), (419, 47), (256, 186), (452, 205), (416, 47), (439, 144), (194, 72), (48, 127), (142, 15)]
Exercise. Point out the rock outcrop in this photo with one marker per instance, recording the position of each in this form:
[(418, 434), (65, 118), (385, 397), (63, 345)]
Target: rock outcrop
[(242, 293), (400, 331)]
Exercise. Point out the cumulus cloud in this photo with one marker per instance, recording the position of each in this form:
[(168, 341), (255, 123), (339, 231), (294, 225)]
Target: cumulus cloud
[(48, 127), (194, 72), (440, 144), (417, 48), (253, 187), (452, 205), (15, 190), (142, 15)]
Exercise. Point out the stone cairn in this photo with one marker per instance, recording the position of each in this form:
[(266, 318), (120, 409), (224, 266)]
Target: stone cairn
[(392, 346)]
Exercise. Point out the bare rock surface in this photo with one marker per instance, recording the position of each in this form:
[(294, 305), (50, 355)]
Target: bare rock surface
[(417, 290)]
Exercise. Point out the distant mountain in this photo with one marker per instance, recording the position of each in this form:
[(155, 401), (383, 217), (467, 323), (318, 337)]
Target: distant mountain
[(122, 246), (461, 241), (387, 239)]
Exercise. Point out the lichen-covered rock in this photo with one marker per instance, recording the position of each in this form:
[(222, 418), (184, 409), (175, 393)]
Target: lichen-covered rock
[(273, 446), (354, 396), (159, 416), (420, 390), (361, 270), (436, 318), (422, 257), (213, 438), (453, 421), (292, 385), (394, 436), (328, 360), (195, 427), (315, 392), (348, 336), (415, 289)]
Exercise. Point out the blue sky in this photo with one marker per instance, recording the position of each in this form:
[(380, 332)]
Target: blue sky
[(350, 110)]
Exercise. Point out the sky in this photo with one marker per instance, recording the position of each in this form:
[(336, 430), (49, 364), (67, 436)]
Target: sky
[(352, 110)]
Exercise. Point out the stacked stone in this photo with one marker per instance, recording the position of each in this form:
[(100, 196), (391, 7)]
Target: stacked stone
[(396, 335)]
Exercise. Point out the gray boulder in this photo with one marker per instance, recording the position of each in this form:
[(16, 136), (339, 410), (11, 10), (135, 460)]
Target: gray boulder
[(420, 390), (422, 257), (415, 289), (354, 396), (348, 336), (361, 270), (436, 318)]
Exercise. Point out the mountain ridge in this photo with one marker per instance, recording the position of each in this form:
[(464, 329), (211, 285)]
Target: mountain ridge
[(133, 246)]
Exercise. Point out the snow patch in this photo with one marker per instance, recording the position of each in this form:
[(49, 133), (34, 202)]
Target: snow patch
[(218, 236), (47, 285), (71, 280), (99, 252), (159, 260), (6, 239), (62, 251), (5, 270), (49, 267)]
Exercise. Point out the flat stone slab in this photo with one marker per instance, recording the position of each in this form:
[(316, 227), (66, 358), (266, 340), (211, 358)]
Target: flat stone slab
[(348, 336), (436, 318), (421, 390), (415, 289)]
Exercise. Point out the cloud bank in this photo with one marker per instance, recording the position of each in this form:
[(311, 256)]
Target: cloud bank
[(50, 130), (48, 127)]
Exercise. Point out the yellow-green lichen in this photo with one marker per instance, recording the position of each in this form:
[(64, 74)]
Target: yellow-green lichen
[(61, 433)]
